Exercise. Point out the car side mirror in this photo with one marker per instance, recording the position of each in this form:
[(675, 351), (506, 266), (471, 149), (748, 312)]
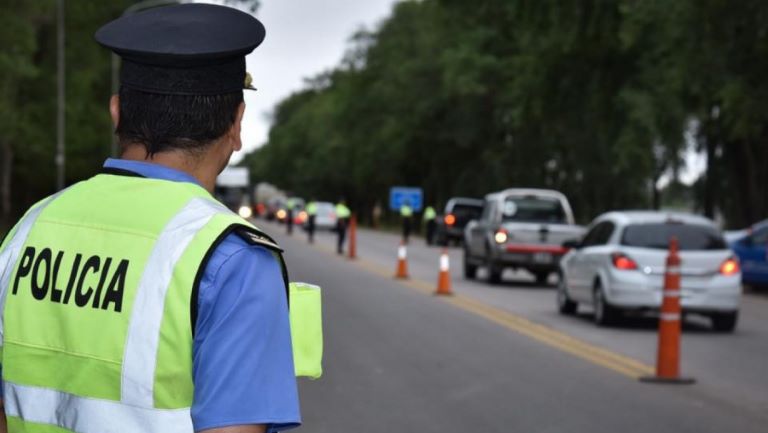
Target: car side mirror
[(572, 244)]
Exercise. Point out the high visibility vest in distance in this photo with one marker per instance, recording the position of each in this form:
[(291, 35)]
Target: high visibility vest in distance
[(97, 326), (342, 211), (312, 208), (429, 213), (406, 211)]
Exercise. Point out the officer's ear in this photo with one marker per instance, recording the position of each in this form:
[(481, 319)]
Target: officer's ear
[(114, 109), (234, 132)]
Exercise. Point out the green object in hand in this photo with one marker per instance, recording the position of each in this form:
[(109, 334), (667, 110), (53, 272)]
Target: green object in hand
[(306, 329)]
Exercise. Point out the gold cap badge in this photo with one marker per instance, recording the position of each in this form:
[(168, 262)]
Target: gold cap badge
[(248, 82)]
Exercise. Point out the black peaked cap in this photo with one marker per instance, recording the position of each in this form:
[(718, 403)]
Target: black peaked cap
[(187, 49)]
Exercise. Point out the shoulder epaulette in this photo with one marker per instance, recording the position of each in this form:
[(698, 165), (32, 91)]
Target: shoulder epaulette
[(256, 237)]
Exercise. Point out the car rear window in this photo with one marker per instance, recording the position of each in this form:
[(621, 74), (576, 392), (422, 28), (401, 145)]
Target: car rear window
[(533, 209), (325, 208), (690, 237), (466, 212)]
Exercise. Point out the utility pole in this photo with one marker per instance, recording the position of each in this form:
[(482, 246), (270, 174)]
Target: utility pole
[(60, 158)]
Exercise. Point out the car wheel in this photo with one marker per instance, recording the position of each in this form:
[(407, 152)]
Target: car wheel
[(564, 303), (494, 270), (724, 322), (470, 270), (605, 313), (541, 277)]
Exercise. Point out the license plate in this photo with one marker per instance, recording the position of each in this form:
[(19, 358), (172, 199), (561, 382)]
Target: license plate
[(542, 258)]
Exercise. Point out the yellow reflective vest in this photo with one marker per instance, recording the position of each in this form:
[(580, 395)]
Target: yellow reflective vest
[(96, 328)]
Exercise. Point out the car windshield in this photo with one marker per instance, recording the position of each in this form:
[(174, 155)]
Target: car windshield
[(690, 237), (533, 209)]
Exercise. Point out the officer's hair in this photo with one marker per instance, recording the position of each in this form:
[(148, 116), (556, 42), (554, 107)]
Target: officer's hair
[(169, 122)]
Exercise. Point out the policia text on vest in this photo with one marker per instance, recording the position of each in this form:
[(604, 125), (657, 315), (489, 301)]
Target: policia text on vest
[(41, 267)]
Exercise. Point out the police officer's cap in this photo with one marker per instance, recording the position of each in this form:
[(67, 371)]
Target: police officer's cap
[(188, 49)]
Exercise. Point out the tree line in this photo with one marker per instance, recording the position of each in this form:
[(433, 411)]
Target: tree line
[(599, 99)]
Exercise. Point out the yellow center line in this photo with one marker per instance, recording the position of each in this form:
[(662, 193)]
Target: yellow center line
[(597, 355)]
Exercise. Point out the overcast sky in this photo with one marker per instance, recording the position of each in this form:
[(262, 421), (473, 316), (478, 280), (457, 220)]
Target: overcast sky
[(304, 38)]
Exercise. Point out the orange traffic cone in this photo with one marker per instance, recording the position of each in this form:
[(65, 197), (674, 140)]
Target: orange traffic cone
[(444, 277), (353, 237), (402, 262), (668, 359)]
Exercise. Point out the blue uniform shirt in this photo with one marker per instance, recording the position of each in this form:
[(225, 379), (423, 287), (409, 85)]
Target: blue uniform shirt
[(242, 358)]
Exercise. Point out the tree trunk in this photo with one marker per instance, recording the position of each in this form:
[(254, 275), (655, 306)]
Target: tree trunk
[(6, 164), (751, 201), (656, 195), (710, 175)]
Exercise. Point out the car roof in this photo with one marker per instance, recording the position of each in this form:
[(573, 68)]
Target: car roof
[(525, 191), (465, 201), (650, 216)]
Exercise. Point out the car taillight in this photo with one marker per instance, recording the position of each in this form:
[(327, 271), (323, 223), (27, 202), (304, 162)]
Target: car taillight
[(449, 219), (621, 261), (280, 214), (302, 216), (729, 267), (501, 236)]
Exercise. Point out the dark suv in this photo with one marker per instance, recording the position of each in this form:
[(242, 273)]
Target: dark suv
[(458, 212)]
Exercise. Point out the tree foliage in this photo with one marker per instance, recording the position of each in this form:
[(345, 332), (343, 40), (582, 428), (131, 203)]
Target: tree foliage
[(28, 95), (591, 97)]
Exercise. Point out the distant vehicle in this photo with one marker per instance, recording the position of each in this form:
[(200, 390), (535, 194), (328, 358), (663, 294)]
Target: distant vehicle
[(297, 204), (458, 212), (274, 207), (619, 266), (519, 228), (326, 216), (232, 186), (750, 246)]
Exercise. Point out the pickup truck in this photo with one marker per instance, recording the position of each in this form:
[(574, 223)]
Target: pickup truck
[(522, 229)]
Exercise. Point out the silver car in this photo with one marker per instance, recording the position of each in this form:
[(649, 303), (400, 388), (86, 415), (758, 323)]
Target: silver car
[(619, 265), (520, 229)]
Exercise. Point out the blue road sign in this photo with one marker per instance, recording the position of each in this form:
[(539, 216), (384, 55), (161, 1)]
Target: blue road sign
[(398, 195)]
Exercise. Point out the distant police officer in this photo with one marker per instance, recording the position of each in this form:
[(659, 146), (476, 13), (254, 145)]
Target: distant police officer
[(311, 217), (342, 219), (429, 219), (134, 301), (290, 208), (406, 214)]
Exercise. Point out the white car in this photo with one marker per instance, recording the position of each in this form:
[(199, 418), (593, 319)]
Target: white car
[(619, 265), (326, 216)]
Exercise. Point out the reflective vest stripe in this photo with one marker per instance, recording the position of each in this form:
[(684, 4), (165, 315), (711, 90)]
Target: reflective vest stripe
[(10, 254), (89, 415), (143, 337)]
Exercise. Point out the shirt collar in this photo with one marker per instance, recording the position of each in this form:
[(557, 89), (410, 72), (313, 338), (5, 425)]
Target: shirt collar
[(150, 170)]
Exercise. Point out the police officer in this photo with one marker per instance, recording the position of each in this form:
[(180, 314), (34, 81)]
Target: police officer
[(290, 206), (342, 219), (311, 216), (429, 219), (164, 311), (406, 214)]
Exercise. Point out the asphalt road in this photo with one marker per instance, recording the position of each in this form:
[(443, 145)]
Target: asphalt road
[(500, 359)]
